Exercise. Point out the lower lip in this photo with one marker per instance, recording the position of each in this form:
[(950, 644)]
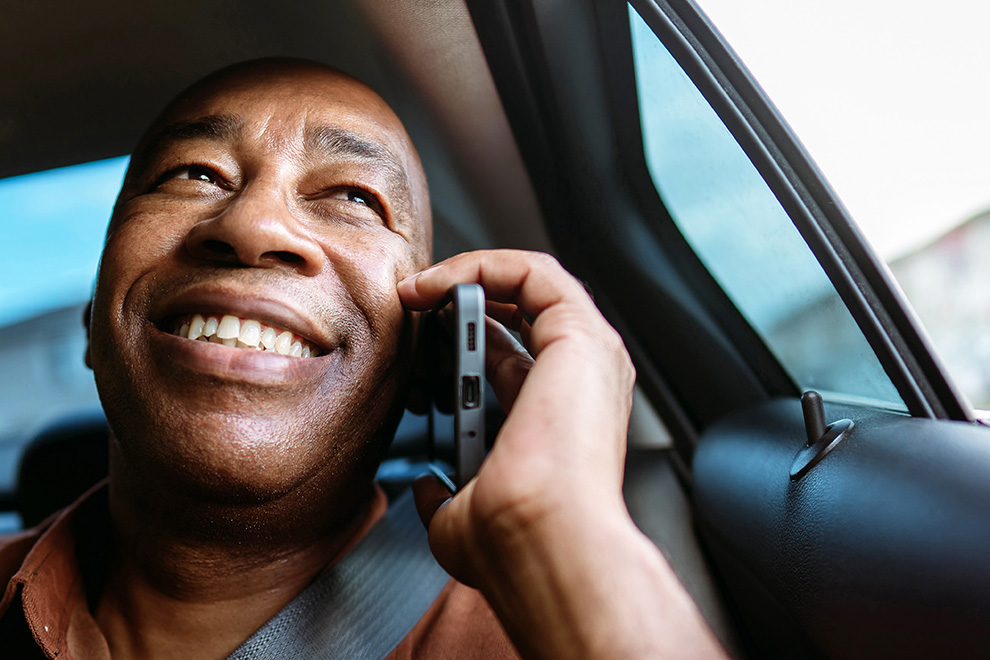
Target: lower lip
[(235, 364)]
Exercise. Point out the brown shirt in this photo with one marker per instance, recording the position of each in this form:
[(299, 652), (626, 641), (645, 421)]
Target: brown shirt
[(52, 571)]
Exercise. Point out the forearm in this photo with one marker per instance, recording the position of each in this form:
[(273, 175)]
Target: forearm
[(567, 589)]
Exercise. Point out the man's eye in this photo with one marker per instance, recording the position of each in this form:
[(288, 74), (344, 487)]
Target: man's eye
[(359, 196), (191, 173)]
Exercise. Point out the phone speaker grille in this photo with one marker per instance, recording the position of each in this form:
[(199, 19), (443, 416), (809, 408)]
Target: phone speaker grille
[(471, 341)]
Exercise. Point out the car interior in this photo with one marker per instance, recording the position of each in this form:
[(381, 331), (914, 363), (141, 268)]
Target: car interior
[(628, 140)]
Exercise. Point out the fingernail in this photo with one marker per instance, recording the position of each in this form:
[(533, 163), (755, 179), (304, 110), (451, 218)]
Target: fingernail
[(416, 276), (442, 478), (409, 278)]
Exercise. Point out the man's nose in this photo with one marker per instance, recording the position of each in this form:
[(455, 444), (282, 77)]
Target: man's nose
[(257, 232)]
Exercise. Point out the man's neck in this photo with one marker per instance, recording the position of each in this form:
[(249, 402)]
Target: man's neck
[(196, 585)]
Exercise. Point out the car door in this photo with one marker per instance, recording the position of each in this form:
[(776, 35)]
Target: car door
[(738, 280)]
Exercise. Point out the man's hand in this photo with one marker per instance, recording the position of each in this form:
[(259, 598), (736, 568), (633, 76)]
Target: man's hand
[(542, 530), (564, 438)]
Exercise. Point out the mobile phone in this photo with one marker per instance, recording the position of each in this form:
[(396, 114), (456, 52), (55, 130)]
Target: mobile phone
[(469, 369)]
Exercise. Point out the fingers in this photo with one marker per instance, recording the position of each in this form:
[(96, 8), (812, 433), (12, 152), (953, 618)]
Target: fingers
[(535, 284), (511, 317), (531, 280), (506, 363), (552, 309)]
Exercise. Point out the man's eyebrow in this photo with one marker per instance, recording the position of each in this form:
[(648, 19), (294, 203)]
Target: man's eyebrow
[(343, 144), (214, 128), (340, 143)]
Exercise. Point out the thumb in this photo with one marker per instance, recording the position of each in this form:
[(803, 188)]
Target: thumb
[(446, 544), (430, 494)]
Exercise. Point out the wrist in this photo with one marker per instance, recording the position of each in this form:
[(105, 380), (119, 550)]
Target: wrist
[(588, 587)]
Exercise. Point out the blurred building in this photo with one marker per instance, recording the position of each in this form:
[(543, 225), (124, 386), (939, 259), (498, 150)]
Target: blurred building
[(947, 283)]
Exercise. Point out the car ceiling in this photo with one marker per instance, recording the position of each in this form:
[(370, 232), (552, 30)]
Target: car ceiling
[(81, 84)]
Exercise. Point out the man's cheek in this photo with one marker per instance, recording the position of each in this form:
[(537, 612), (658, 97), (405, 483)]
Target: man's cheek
[(140, 239), (373, 273)]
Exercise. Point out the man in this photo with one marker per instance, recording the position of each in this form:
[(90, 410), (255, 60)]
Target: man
[(284, 199)]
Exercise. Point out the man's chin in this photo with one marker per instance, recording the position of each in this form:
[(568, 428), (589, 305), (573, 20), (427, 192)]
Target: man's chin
[(225, 459), (239, 427), (209, 488)]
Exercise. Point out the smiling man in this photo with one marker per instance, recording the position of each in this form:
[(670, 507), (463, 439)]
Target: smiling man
[(252, 335)]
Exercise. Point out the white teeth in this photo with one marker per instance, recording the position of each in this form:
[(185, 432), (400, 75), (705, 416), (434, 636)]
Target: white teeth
[(250, 333), (283, 343), (229, 328), (232, 331), (196, 326), (268, 338)]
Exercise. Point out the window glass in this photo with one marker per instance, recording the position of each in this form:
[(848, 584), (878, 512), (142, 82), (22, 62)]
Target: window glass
[(902, 135), (740, 232), (53, 223)]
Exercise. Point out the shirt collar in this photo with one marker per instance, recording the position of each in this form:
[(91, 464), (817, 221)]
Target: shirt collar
[(67, 552)]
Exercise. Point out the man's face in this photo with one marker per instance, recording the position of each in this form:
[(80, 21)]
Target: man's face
[(289, 199)]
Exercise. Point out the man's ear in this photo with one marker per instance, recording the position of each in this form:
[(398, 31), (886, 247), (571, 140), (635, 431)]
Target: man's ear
[(87, 318)]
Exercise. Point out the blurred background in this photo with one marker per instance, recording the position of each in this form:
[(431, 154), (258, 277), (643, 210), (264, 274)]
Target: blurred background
[(889, 100)]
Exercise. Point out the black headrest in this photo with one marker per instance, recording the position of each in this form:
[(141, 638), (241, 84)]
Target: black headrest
[(62, 461)]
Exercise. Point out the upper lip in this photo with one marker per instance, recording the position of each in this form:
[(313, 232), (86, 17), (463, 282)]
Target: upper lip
[(262, 305)]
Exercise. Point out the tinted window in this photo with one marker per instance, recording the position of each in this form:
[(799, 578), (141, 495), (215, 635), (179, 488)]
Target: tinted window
[(740, 232)]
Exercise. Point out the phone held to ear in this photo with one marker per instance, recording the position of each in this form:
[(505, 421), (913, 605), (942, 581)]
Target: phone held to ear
[(463, 348)]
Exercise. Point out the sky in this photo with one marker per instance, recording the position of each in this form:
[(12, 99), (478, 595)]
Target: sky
[(889, 99)]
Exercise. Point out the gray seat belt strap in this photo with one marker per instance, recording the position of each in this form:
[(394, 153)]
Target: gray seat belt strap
[(365, 604)]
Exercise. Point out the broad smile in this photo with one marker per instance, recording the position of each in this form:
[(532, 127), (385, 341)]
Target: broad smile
[(245, 334), (238, 332)]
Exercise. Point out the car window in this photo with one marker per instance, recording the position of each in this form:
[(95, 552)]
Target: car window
[(901, 133), (54, 223), (734, 223)]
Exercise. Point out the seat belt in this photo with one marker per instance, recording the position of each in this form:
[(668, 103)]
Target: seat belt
[(365, 604)]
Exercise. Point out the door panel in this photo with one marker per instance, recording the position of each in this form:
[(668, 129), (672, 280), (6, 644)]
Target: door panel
[(878, 551)]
